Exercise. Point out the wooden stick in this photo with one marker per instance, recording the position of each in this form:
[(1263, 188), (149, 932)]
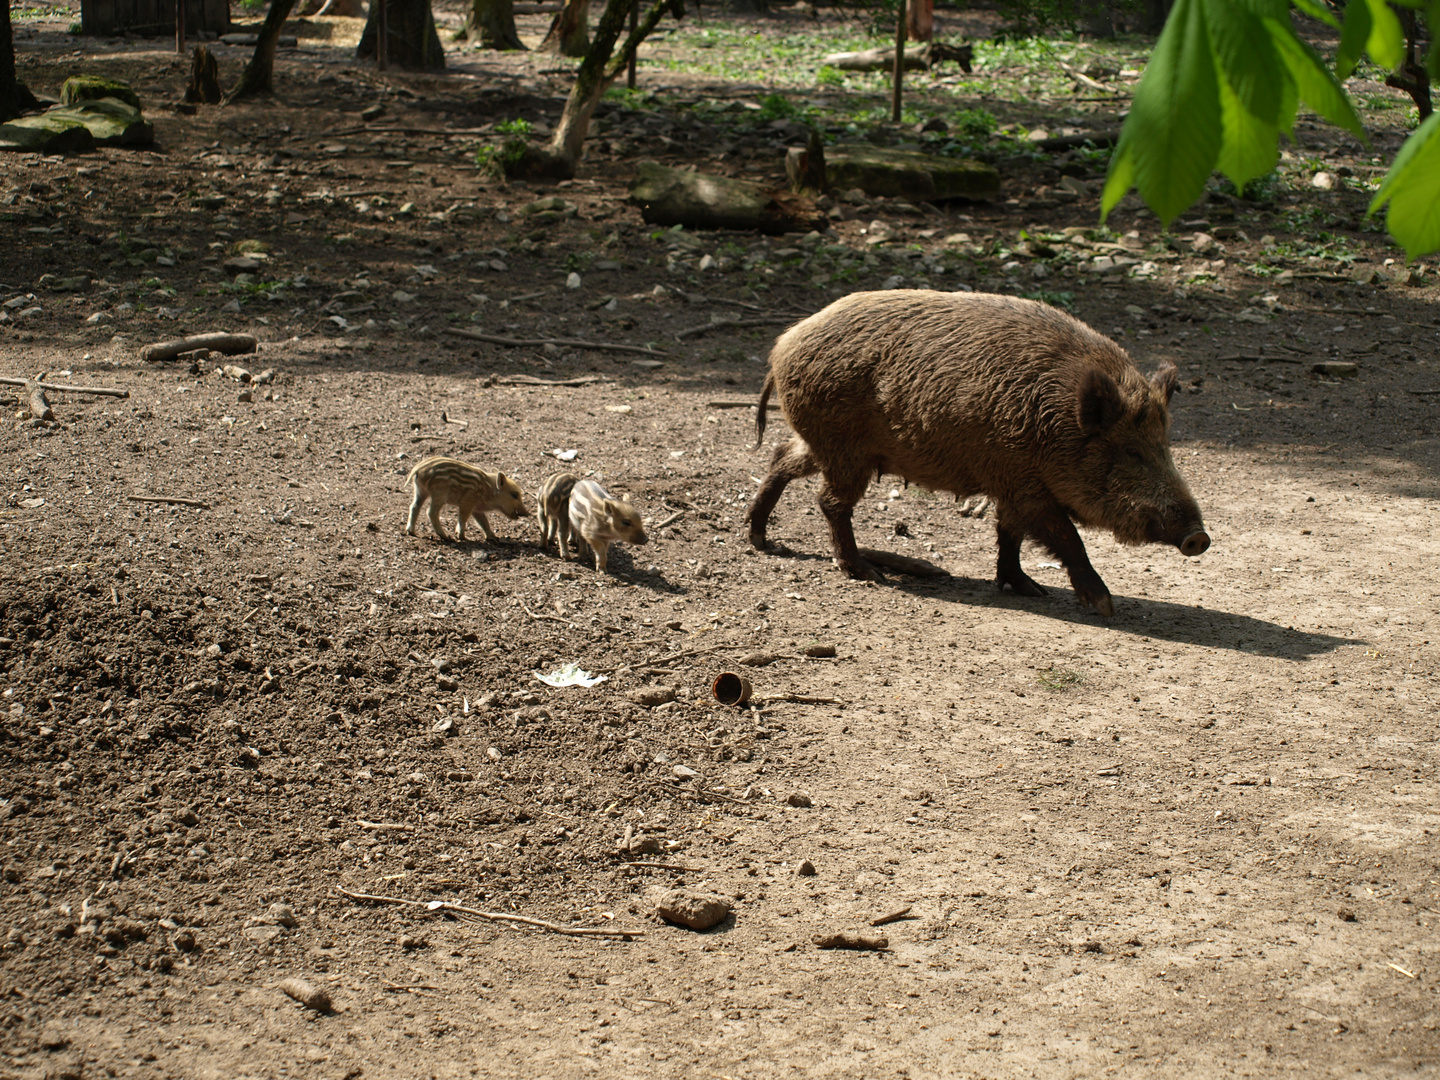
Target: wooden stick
[(798, 699), (894, 916), (772, 406), (531, 380), (526, 343), (548, 618), (496, 916), (721, 324), (379, 826), (169, 500), (668, 866), (62, 388), (36, 403), (669, 520), (229, 344), (1085, 80)]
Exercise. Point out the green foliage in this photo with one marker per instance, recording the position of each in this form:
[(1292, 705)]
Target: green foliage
[(74, 29), (777, 107), (977, 123), (829, 76), (1064, 299), (1053, 678), (1226, 79), (510, 152)]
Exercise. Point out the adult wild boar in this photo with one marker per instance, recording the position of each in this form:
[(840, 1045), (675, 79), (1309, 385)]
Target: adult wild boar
[(979, 394)]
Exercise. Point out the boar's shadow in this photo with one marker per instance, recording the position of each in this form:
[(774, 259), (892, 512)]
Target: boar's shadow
[(1141, 616)]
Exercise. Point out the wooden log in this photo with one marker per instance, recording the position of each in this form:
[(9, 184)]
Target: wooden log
[(695, 200), (229, 344), (919, 59), (36, 403)]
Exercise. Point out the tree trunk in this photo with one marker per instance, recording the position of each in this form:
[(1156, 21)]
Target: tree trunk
[(597, 71), (258, 78), (920, 19), (492, 25), (15, 96), (569, 33), (1411, 76), (412, 40)]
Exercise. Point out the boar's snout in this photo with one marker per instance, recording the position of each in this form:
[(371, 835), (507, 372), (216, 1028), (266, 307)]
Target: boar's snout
[(1195, 543)]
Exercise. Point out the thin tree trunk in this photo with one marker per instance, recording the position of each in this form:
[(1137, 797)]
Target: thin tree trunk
[(10, 96), (258, 78), (491, 25), (899, 71), (569, 33), (412, 41), (920, 19)]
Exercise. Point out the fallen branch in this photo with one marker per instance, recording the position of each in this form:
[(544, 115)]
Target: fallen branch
[(701, 793), (721, 324), (62, 388), (669, 520), (1424, 393), (771, 405), (668, 866), (548, 618), (894, 916), (229, 344), (380, 826), (169, 500), (531, 380), (1085, 80), (850, 941), (1070, 142), (445, 419), (524, 343), (798, 699), (903, 563), (496, 916)]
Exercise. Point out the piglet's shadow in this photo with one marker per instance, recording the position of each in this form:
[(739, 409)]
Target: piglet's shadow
[(1140, 616)]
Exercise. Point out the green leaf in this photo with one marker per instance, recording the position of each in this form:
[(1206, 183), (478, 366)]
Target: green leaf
[(1386, 44), (1246, 57), (1251, 147), (1317, 86), (1412, 188), (1320, 12), (1353, 37), (1173, 132), (1120, 180)]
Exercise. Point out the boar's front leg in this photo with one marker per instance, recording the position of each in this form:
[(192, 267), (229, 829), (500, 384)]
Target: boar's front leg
[(1009, 534), (792, 461), (838, 496), (1057, 532)]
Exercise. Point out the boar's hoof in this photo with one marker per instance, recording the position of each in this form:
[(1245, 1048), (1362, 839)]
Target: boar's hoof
[(1021, 584), (757, 539), (859, 569), (1195, 544), (1102, 603)]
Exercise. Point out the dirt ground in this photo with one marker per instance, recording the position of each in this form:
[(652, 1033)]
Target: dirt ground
[(1196, 839)]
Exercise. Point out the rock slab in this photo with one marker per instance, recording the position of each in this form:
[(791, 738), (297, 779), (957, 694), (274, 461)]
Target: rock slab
[(697, 910)]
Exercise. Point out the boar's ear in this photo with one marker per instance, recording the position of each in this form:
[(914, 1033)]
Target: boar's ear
[(1099, 403), (1165, 378)]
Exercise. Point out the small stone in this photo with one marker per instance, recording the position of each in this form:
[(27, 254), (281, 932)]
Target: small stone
[(282, 915), (573, 280), (651, 696), (643, 845), (307, 994), (444, 726), (684, 772), (215, 650), (1336, 369), (805, 869), (698, 911), (374, 112), (820, 651), (493, 753), (407, 942), (240, 264), (759, 659), (798, 798), (447, 684), (1323, 181)]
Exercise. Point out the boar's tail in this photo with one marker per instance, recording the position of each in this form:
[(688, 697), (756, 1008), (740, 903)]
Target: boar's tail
[(765, 392)]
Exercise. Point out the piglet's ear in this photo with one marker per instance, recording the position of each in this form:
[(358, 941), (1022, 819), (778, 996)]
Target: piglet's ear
[(1166, 376), (1098, 403)]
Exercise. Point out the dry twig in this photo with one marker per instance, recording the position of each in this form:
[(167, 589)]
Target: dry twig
[(62, 388), (569, 343), (894, 916), (171, 500), (382, 826), (496, 916), (669, 520), (531, 380), (549, 618), (668, 866), (724, 324)]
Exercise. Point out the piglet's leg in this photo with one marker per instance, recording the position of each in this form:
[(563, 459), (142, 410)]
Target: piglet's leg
[(1058, 533), (1008, 536), (440, 534), (602, 554), (415, 506), (485, 524)]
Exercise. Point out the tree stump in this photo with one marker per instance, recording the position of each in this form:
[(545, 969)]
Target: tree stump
[(204, 85)]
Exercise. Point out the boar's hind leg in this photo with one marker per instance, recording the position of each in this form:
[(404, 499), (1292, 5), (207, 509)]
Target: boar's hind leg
[(838, 497), (792, 461), (1058, 534)]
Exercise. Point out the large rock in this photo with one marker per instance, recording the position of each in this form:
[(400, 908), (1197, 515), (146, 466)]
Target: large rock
[(908, 174), (46, 135), (79, 88), (700, 201), (111, 121)]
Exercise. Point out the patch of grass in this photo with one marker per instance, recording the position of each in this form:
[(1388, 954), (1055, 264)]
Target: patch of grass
[(515, 141), (1053, 678), (1064, 299)]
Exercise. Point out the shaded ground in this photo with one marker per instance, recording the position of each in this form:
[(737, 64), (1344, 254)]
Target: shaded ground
[(1196, 839)]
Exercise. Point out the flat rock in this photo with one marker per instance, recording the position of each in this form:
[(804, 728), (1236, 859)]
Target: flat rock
[(697, 910), (80, 88), (110, 121), (908, 174), (240, 264), (44, 135)]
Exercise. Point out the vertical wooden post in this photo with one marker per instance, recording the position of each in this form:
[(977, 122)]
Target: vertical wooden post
[(382, 37), (634, 25), (180, 26), (899, 61)]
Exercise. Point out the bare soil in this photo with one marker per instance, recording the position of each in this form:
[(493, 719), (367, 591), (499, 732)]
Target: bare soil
[(1196, 839)]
